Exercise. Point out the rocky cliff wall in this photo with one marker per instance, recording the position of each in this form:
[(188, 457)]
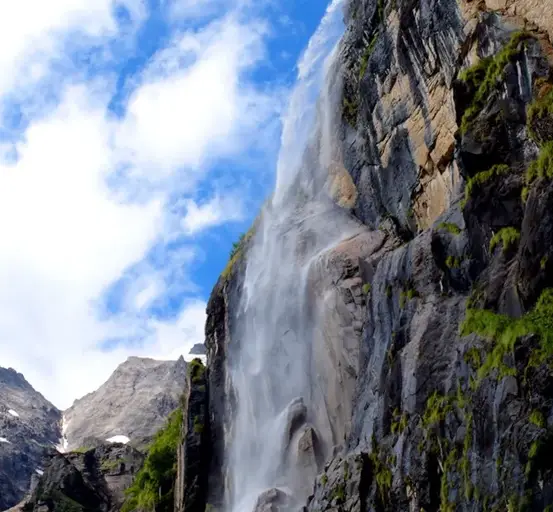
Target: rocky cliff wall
[(433, 358)]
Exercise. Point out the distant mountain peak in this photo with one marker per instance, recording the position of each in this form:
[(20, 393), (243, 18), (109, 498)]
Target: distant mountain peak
[(132, 404)]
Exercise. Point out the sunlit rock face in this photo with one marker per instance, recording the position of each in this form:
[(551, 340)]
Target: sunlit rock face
[(29, 426), (130, 407), (360, 330)]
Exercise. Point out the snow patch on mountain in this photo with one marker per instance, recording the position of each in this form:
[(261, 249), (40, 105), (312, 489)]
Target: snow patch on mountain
[(13, 413), (118, 439)]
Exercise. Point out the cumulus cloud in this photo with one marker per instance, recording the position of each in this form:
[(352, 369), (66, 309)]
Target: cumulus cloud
[(211, 213), (84, 193)]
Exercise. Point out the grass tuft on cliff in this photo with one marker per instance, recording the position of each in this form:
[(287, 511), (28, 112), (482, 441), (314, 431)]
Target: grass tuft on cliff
[(153, 485), (450, 227), (484, 76), (542, 167), (196, 370), (484, 177), (237, 250), (504, 331), (507, 237), (540, 110)]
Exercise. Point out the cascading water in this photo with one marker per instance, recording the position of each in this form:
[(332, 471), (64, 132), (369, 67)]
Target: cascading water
[(270, 366)]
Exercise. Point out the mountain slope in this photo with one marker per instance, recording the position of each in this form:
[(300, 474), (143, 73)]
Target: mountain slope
[(29, 426), (132, 404)]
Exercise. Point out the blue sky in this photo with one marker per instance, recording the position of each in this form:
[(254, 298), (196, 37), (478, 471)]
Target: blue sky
[(138, 139)]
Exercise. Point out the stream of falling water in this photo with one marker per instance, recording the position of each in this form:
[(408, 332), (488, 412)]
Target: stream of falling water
[(270, 369)]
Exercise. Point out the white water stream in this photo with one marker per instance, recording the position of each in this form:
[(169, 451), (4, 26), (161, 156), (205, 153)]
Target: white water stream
[(270, 370)]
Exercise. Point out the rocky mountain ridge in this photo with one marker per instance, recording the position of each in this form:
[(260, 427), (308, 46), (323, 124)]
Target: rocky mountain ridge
[(29, 427)]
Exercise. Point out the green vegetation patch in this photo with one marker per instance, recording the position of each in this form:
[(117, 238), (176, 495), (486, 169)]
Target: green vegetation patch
[(450, 464), (237, 251), (537, 418), (465, 461), (541, 108), (82, 449), (484, 76), (507, 237), (452, 262), (196, 370), (366, 288), (504, 332), (450, 227), (407, 295), (110, 465), (339, 493), (473, 358), (153, 485), (484, 177), (437, 408), (400, 422), (198, 425), (350, 110), (542, 167)]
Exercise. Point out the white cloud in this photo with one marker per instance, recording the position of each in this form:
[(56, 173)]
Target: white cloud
[(193, 105), (65, 235), (214, 212), (32, 32)]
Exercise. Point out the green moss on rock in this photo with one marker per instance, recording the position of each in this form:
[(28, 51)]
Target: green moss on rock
[(541, 110), (484, 177), (507, 237), (504, 331), (450, 227), (485, 76)]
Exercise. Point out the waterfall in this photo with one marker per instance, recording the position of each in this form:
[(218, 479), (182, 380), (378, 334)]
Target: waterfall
[(270, 366)]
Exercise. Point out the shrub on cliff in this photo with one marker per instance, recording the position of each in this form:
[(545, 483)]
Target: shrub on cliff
[(152, 488)]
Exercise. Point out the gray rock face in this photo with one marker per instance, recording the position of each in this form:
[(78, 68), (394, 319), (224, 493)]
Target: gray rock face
[(29, 427), (134, 402)]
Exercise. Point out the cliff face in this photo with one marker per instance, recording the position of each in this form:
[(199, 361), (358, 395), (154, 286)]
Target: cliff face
[(29, 427), (194, 451), (433, 360)]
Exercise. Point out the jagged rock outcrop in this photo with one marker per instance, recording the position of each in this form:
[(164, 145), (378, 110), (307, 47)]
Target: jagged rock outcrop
[(92, 480), (194, 451), (436, 378), (133, 404), (29, 426)]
